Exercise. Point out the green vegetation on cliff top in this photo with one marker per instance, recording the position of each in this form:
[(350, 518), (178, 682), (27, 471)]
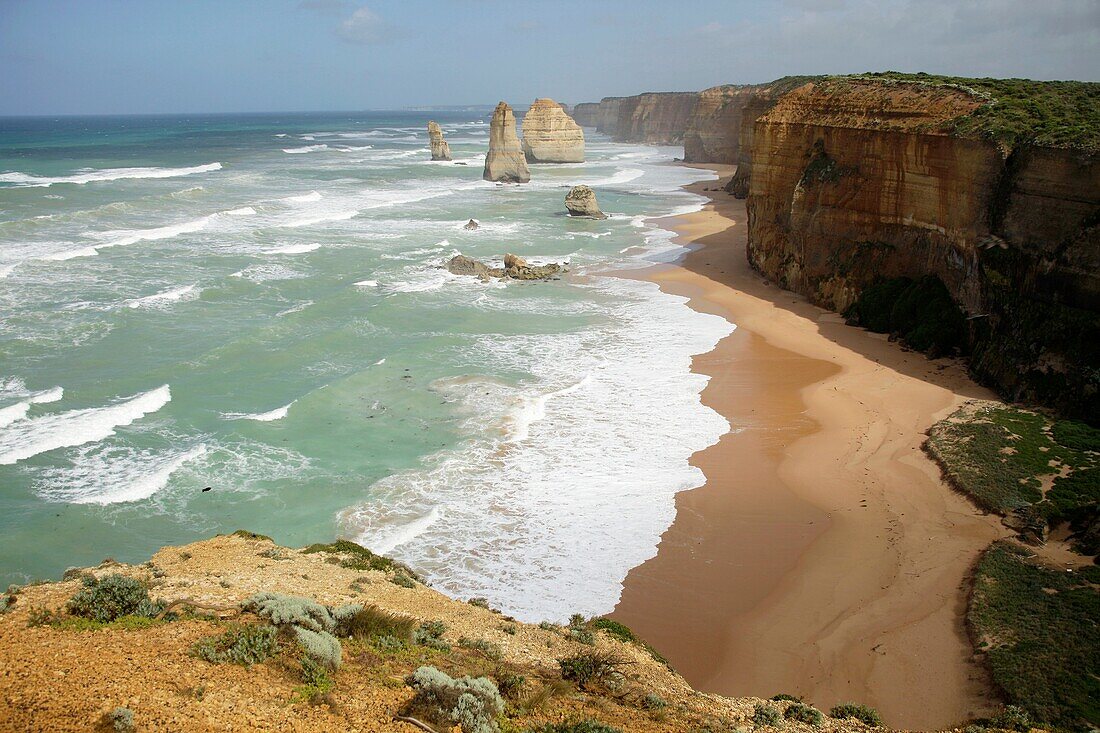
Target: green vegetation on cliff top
[(1062, 114), (1040, 631)]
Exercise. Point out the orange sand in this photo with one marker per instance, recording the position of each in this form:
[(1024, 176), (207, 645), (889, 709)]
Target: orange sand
[(823, 557)]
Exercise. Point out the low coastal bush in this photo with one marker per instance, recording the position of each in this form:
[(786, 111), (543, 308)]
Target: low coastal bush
[(589, 667), (862, 713), (357, 557), (615, 630), (653, 701), (766, 715), (920, 312), (582, 726), (804, 713), (312, 623), (488, 648), (472, 703), (111, 598), (244, 644), (119, 720), (403, 579), (510, 684), (784, 696), (1037, 628), (317, 682), (321, 646)]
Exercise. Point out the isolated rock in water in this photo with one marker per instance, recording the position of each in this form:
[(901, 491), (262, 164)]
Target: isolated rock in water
[(550, 135), (505, 160), (514, 267), (463, 265), (581, 201), (440, 149), (471, 224)]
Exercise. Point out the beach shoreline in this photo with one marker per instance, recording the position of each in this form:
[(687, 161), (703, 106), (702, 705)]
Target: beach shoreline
[(824, 556)]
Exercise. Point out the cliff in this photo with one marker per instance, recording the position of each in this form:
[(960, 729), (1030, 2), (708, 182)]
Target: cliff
[(714, 128), (656, 118), (858, 180), (550, 135), (238, 633)]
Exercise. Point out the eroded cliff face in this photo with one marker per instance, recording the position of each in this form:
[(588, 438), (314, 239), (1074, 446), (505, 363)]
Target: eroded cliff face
[(714, 127), (852, 182), (657, 118)]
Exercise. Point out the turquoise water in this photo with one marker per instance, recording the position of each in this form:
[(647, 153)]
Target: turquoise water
[(256, 304)]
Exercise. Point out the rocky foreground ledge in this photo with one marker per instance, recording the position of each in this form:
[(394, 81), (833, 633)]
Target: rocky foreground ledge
[(238, 633)]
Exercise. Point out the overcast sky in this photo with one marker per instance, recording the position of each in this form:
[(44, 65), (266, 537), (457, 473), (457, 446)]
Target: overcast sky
[(136, 56)]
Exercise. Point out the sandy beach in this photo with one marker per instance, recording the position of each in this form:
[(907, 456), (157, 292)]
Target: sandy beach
[(823, 557)]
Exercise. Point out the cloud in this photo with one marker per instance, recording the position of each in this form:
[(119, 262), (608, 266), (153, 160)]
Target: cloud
[(363, 27)]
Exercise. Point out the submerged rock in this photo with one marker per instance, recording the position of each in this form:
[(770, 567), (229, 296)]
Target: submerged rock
[(550, 135), (581, 201), (471, 224), (440, 149), (505, 161)]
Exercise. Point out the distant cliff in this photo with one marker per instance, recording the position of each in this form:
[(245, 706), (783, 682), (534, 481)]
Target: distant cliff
[(992, 186)]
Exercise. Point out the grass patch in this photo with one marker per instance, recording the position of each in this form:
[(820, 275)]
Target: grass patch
[(357, 557), (371, 622), (581, 726), (1061, 114), (999, 455), (1040, 631)]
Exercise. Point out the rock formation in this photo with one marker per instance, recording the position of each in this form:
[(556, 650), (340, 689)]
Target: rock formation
[(857, 180), (440, 149), (505, 160), (471, 224), (659, 118), (550, 135), (515, 267), (581, 201)]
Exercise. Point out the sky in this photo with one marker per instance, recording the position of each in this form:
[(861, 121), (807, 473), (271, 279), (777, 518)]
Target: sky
[(165, 56)]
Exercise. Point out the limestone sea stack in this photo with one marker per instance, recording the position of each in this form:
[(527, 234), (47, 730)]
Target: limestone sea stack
[(581, 201), (440, 149), (550, 135), (505, 161)]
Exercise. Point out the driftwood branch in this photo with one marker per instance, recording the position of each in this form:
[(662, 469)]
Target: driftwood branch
[(417, 723)]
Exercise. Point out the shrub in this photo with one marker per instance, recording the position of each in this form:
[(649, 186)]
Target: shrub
[(1013, 717), (112, 597), (371, 622), (252, 535), (350, 555), (472, 703), (488, 648), (120, 720), (479, 602), (6, 602), (576, 621), (582, 636), (403, 579), (321, 646), (921, 312), (784, 696), (615, 629), (803, 713), (583, 726), (244, 644), (317, 682), (281, 609), (509, 683), (653, 701), (430, 634), (592, 666), (766, 715), (862, 713)]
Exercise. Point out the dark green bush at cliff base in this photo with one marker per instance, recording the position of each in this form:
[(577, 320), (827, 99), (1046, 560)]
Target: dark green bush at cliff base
[(1040, 631), (920, 312)]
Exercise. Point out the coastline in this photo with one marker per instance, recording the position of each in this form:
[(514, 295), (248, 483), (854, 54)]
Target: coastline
[(823, 556)]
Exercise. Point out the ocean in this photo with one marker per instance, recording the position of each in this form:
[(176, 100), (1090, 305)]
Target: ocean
[(219, 322)]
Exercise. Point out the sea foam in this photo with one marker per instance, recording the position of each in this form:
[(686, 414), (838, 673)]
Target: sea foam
[(107, 174), (26, 438)]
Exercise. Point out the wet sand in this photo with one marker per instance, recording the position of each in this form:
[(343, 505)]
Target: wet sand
[(823, 557)]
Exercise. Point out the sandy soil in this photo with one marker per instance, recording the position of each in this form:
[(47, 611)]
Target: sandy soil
[(823, 557)]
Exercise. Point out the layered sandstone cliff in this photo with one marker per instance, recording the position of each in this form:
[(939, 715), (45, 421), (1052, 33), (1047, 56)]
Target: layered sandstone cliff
[(505, 161), (656, 118), (714, 127), (550, 135), (857, 180), (440, 149)]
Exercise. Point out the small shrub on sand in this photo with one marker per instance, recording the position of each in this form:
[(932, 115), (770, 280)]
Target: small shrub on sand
[(281, 609), (244, 644), (430, 634), (112, 597), (350, 555), (479, 602), (510, 684), (321, 646), (583, 726), (472, 703), (785, 697), (403, 579), (317, 682), (766, 715), (615, 629), (862, 713), (588, 667), (1013, 717), (582, 636), (804, 713), (119, 720), (653, 701), (488, 648)]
